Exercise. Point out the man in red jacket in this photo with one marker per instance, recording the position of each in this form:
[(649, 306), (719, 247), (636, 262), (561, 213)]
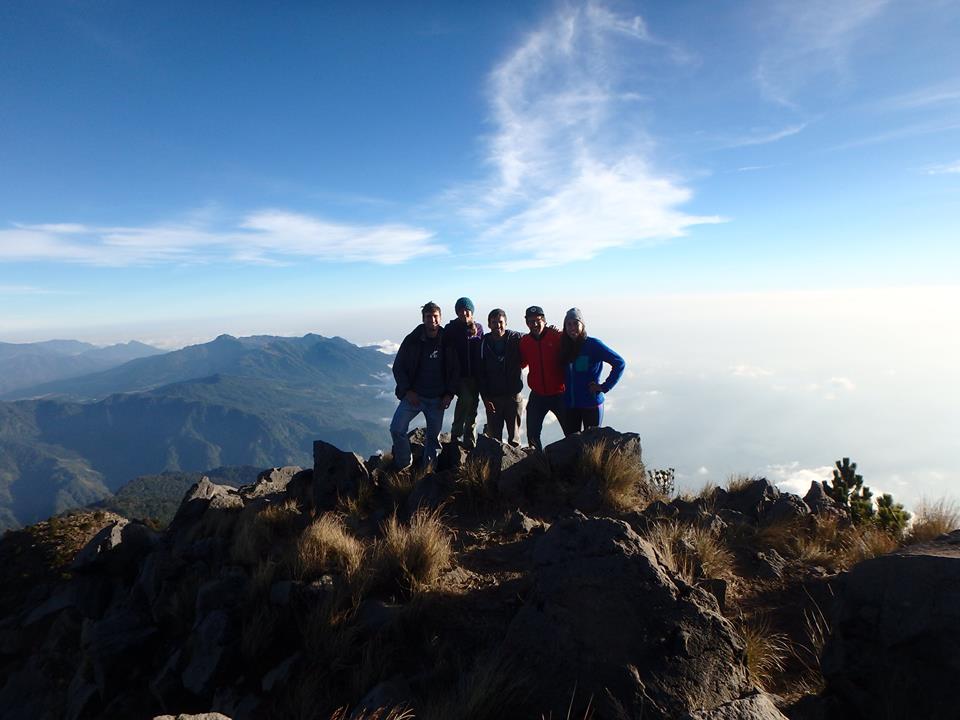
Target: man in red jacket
[(540, 351)]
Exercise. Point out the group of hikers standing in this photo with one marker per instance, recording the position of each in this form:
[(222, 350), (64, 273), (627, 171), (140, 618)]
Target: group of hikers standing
[(437, 363)]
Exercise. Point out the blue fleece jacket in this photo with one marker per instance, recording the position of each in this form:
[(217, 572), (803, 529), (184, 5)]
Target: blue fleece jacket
[(586, 369)]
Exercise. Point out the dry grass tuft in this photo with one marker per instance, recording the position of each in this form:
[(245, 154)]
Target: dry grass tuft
[(933, 518), (257, 633), (261, 531), (485, 692), (622, 478), (740, 482), (817, 630), (869, 542), (411, 556), (691, 551), (475, 479), (766, 651), (326, 546), (380, 714)]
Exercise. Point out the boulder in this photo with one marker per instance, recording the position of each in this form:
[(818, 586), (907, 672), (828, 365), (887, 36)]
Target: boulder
[(755, 707), (210, 653), (769, 564), (117, 548), (564, 454), (196, 500), (753, 501), (820, 503), (786, 508), (336, 473), (431, 491), (123, 639), (669, 653), (895, 647), (270, 482), (224, 592)]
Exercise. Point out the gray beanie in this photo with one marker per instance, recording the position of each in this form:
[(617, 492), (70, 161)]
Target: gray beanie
[(573, 314)]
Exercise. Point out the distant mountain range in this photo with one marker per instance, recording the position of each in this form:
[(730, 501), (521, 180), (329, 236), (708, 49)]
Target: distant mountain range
[(257, 401), (26, 364)]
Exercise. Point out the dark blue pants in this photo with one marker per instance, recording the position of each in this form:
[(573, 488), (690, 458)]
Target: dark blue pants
[(537, 408)]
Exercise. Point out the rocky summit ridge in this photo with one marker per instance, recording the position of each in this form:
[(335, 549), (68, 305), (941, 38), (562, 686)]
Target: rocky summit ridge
[(508, 583)]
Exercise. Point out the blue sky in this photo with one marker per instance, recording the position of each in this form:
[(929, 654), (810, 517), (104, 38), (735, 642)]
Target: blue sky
[(170, 171)]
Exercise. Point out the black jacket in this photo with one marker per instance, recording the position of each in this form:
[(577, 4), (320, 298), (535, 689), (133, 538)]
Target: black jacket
[(407, 363), (500, 378)]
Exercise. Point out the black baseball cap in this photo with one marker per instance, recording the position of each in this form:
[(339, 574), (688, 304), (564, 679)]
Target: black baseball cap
[(534, 310)]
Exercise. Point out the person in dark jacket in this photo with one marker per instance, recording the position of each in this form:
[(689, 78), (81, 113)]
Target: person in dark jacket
[(583, 358), (500, 379), (427, 375), (464, 335)]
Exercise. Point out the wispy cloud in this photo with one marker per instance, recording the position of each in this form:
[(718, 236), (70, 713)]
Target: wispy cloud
[(809, 39), (569, 177), (27, 290), (929, 96), (764, 137), (944, 169), (263, 237), (915, 130)]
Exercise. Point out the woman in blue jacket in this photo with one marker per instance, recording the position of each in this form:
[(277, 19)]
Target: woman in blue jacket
[(583, 358)]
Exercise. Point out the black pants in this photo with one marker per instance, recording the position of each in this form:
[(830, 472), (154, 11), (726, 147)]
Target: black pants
[(577, 419)]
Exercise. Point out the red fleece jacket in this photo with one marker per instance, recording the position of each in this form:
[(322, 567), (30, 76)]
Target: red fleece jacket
[(543, 358)]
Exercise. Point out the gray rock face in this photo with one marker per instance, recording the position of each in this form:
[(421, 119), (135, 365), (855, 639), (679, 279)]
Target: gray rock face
[(117, 547), (669, 652), (895, 647), (754, 707), (822, 504), (430, 491), (564, 454), (271, 482), (335, 473), (210, 653), (754, 501), (769, 564), (787, 507), (196, 500), (120, 640)]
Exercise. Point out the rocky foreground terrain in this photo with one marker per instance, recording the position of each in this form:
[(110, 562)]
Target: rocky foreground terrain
[(508, 584)]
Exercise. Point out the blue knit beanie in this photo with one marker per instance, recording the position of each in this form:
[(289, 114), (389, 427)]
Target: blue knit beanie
[(464, 302)]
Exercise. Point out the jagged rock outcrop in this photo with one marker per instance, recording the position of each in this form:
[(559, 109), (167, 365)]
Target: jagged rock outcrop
[(336, 473), (895, 647), (668, 653)]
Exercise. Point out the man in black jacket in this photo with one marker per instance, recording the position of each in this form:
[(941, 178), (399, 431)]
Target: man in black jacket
[(427, 376), (500, 380)]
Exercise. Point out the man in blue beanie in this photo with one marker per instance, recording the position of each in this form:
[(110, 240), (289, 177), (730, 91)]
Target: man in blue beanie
[(465, 335)]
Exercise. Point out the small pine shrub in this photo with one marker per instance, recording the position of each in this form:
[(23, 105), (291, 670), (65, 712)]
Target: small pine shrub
[(849, 492), (933, 518), (891, 517)]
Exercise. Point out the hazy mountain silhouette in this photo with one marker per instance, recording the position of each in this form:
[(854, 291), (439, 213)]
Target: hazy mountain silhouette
[(26, 364), (233, 401)]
